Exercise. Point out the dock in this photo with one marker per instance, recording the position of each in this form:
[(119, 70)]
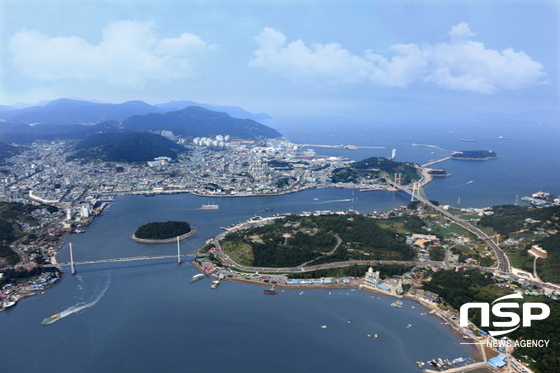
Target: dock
[(464, 368)]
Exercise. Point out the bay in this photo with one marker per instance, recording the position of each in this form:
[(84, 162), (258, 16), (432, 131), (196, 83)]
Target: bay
[(144, 316)]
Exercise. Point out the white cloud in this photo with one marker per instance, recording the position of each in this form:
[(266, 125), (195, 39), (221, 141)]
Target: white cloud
[(460, 64), (129, 53)]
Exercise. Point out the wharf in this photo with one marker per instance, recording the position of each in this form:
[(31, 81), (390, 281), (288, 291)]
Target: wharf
[(464, 368)]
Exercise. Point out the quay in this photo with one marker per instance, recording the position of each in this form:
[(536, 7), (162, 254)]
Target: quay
[(464, 368)]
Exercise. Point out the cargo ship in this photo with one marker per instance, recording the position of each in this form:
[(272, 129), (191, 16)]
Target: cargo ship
[(197, 277), (51, 319)]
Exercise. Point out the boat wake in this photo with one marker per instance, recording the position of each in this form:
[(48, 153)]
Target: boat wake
[(335, 200), (467, 183), (84, 304)]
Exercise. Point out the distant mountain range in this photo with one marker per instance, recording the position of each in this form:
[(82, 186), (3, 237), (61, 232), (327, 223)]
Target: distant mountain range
[(70, 111), (74, 119)]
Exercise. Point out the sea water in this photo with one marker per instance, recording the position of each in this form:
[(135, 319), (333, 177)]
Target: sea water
[(144, 316)]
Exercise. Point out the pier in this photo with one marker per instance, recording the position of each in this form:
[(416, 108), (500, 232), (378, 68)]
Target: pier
[(339, 146), (464, 368)]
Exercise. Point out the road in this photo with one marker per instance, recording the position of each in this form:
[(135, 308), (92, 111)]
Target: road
[(503, 265)]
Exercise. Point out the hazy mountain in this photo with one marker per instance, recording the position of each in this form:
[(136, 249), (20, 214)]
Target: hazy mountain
[(197, 121), (26, 134), (126, 147), (234, 111), (68, 111), (71, 111)]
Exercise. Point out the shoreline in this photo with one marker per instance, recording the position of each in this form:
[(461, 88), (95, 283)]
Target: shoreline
[(165, 240), (479, 354)]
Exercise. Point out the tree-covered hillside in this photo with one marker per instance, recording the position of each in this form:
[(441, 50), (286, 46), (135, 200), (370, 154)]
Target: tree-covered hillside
[(543, 224), (162, 230), (295, 240), (126, 147), (196, 121), (376, 167)]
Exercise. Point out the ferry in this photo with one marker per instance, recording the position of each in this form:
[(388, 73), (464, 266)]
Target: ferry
[(197, 277), (210, 207), (51, 319)]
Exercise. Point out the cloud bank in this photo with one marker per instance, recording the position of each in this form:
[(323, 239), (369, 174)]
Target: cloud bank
[(129, 53), (460, 64)]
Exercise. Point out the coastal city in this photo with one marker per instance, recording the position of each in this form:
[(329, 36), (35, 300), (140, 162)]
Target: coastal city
[(44, 176), (280, 186)]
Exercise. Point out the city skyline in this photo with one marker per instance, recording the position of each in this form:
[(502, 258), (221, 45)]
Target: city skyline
[(295, 59)]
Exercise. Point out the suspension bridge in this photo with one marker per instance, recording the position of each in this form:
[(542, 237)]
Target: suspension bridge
[(72, 263)]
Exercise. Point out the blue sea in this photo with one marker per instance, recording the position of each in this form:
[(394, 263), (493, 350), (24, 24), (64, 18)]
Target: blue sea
[(144, 316)]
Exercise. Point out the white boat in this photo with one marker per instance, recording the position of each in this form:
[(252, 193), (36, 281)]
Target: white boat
[(215, 284), (210, 207), (197, 277)]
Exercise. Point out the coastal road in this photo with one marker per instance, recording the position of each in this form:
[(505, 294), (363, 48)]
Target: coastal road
[(503, 265)]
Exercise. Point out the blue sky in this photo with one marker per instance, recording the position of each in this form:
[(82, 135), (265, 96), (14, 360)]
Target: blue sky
[(295, 58)]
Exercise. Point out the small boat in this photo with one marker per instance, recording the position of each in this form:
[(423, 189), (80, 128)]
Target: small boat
[(197, 277), (51, 319), (210, 207), (215, 284), (270, 291), (468, 140), (323, 327), (409, 326)]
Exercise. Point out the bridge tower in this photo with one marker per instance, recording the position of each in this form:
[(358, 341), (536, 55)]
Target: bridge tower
[(178, 251), (72, 267)]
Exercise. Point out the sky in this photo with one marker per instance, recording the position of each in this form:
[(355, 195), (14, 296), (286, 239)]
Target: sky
[(285, 58)]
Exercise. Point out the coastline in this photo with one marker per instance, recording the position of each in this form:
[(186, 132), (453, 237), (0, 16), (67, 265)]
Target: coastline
[(166, 240), (479, 355)]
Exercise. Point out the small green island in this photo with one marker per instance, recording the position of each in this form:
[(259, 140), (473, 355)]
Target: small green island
[(474, 155), (157, 232)]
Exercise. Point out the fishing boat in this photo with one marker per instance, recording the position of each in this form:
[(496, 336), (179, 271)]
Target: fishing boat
[(271, 291), (51, 319)]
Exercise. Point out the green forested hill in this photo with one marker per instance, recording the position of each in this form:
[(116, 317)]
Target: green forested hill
[(197, 121), (126, 147), (376, 167), (521, 221), (162, 230)]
